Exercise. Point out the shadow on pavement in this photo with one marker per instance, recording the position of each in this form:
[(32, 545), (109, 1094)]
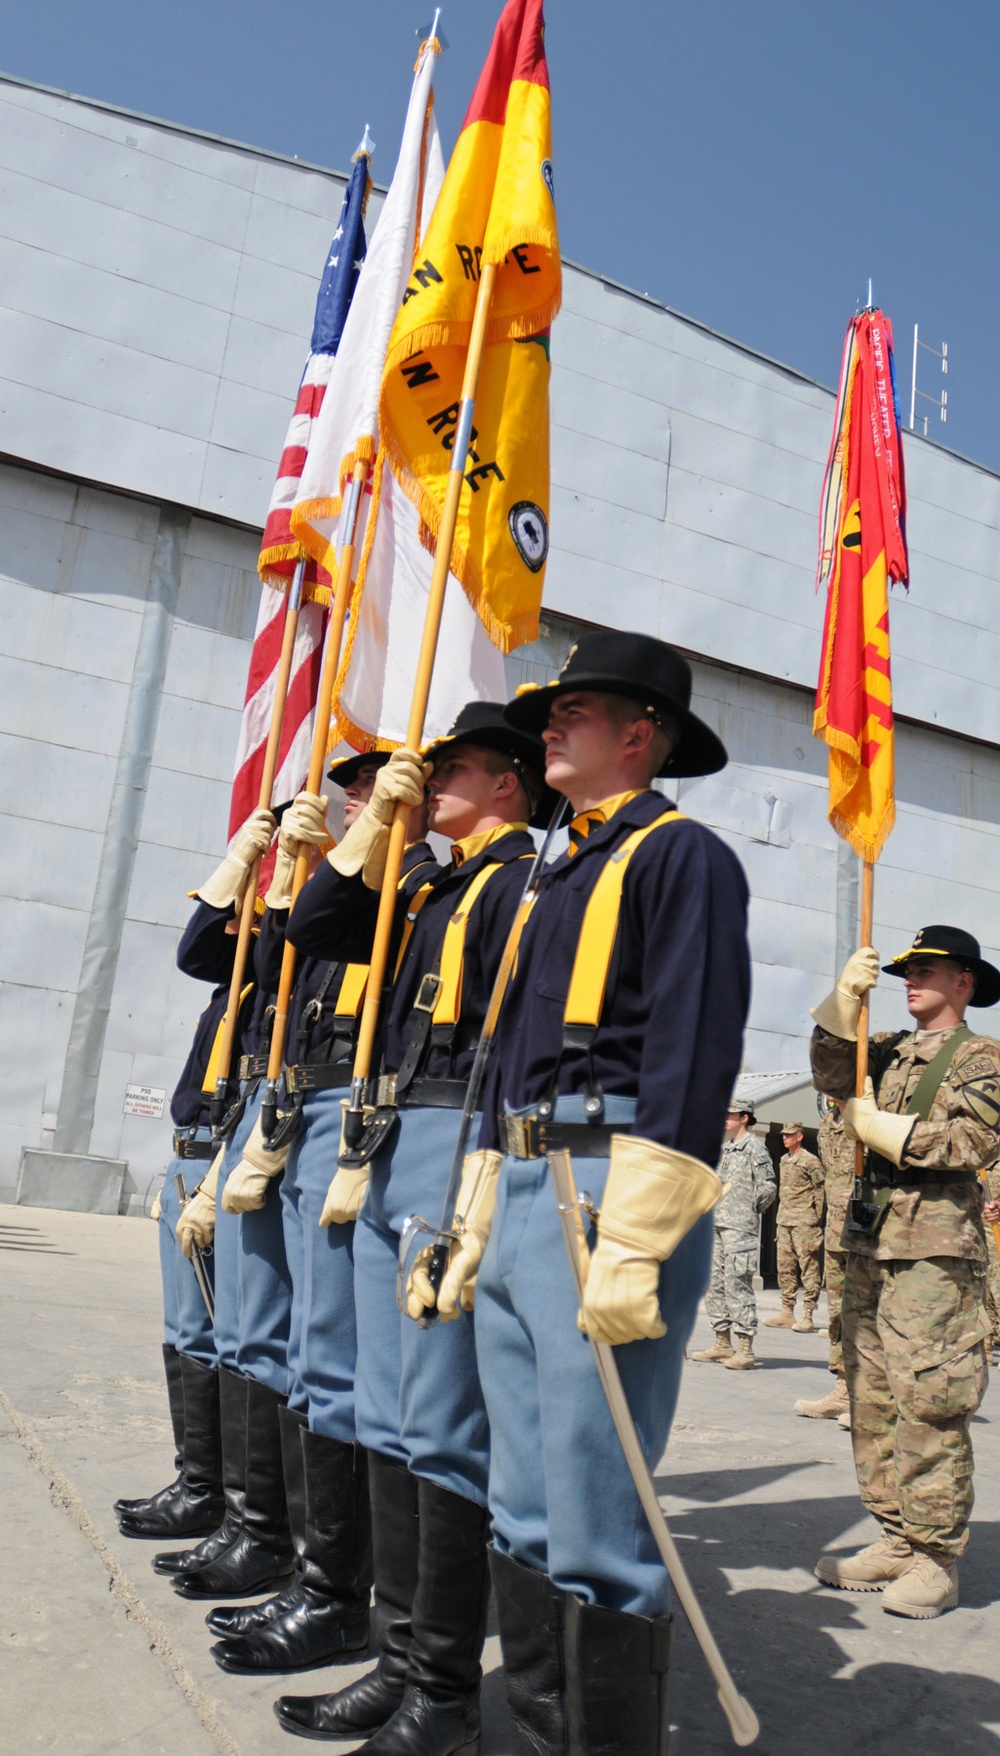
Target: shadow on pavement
[(788, 1647)]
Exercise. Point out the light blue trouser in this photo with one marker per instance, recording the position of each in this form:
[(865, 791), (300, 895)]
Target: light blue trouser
[(186, 1323), (419, 1398), (253, 1294), (322, 1341), (561, 1495)]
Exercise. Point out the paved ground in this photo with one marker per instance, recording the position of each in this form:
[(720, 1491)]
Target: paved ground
[(109, 1659)]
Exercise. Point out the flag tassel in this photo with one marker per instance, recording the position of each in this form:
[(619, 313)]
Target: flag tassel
[(314, 779), (248, 911), (354, 1119)]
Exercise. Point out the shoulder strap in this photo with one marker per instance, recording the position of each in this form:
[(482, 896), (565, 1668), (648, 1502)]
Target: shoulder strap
[(926, 1089), (210, 1079), (595, 947), (451, 965)]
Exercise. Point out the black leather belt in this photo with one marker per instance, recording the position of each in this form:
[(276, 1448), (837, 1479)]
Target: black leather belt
[(318, 1076), (253, 1066), (185, 1147), (527, 1137), (427, 1094)]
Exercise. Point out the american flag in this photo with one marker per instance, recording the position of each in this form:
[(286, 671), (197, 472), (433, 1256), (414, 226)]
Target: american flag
[(280, 551)]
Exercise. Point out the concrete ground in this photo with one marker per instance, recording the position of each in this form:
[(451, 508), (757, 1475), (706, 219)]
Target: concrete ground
[(100, 1655)]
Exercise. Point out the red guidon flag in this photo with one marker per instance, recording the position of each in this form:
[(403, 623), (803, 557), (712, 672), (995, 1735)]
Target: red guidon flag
[(862, 549)]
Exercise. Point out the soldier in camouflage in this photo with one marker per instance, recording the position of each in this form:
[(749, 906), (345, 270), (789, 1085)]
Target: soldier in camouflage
[(992, 1216), (748, 1178), (836, 1152), (800, 1230), (914, 1311)]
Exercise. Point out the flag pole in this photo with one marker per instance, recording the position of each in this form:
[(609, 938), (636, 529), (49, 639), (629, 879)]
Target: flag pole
[(861, 1064), (284, 670), (354, 1119), (317, 762)]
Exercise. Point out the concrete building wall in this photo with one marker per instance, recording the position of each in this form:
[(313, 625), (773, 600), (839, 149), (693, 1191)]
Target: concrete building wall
[(156, 293)]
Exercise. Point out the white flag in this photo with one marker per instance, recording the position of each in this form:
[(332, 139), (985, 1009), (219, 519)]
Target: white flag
[(378, 670), (347, 425)]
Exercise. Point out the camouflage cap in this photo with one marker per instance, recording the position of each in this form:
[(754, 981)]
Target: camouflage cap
[(793, 1128)]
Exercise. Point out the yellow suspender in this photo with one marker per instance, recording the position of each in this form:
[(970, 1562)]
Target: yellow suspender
[(449, 1000), (585, 999), (210, 1080), (416, 904), (351, 994)]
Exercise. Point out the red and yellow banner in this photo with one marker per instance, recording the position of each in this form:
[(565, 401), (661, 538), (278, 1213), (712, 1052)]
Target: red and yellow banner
[(863, 547), (495, 206)]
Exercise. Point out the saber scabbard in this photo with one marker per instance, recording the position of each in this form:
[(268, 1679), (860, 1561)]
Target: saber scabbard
[(743, 1722), (197, 1254)]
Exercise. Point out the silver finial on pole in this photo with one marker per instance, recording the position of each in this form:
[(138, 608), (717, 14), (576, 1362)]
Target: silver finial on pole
[(870, 305), (367, 146), (426, 32)]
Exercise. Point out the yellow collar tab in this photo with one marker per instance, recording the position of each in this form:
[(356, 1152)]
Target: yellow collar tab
[(471, 845)]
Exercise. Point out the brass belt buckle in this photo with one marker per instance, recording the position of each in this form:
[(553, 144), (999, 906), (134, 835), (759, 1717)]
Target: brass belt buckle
[(427, 993), (522, 1136), (385, 1095)]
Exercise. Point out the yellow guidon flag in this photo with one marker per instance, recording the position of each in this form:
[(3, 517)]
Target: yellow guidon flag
[(495, 206)]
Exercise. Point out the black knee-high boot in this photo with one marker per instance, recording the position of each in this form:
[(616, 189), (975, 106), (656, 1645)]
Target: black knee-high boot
[(617, 1681), (530, 1614), (240, 1618), (233, 1426), (328, 1618), (262, 1551), (175, 1400), (439, 1712), (192, 1506), (365, 1705)]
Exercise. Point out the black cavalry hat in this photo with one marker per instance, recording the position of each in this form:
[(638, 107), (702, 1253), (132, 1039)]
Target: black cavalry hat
[(484, 723), (952, 942), (638, 666), (347, 769)]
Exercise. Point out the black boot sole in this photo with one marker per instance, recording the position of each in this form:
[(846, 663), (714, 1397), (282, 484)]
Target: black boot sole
[(273, 1582)]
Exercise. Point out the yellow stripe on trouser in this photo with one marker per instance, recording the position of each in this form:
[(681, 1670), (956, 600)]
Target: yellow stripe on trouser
[(596, 944)]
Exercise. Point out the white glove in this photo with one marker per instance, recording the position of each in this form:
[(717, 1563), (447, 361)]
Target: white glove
[(838, 1014), (157, 1207), (364, 847), (196, 1224), (228, 881), (246, 1184), (652, 1198), (305, 821), (477, 1197), (881, 1130)]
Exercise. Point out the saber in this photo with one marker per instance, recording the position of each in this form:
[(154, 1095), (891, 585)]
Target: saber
[(197, 1254), (417, 1227), (743, 1722)]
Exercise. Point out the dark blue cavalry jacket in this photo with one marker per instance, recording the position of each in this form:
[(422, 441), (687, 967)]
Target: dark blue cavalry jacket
[(335, 917), (671, 1030)]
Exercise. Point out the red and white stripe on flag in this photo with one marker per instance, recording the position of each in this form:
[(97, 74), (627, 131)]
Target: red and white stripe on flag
[(297, 726), (279, 549)]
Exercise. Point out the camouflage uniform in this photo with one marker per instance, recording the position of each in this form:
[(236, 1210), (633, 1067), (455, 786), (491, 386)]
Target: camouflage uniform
[(836, 1151), (914, 1314), (746, 1169), (800, 1230)]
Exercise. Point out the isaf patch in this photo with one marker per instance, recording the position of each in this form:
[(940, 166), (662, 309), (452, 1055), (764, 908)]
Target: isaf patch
[(982, 1097)]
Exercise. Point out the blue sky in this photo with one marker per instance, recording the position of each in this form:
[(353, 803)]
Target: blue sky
[(748, 162)]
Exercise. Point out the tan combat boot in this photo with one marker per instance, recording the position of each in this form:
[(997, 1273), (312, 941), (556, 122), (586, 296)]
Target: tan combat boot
[(805, 1325), (926, 1589), (869, 1570), (721, 1348), (743, 1360), (828, 1407), (785, 1318)]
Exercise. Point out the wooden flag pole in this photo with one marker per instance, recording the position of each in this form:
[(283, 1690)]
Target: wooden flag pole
[(354, 1120), (861, 1065), (284, 671), (317, 762)]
